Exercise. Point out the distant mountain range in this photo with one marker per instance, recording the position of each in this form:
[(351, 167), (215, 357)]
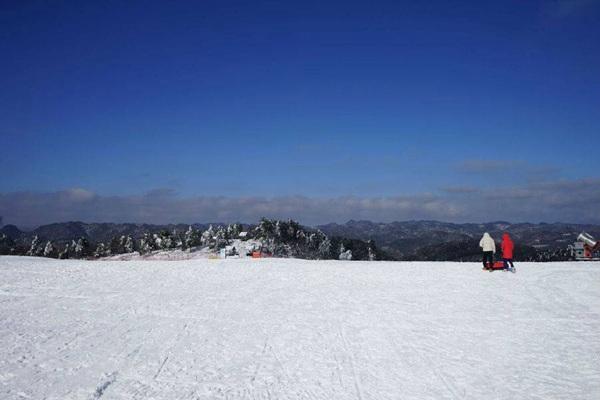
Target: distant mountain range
[(408, 240), (434, 240)]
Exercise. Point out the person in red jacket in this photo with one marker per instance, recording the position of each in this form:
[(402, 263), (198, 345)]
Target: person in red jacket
[(507, 251)]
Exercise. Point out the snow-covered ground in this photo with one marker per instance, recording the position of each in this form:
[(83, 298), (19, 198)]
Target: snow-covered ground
[(293, 329), (242, 247)]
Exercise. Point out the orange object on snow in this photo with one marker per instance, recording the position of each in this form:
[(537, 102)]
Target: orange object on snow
[(498, 265)]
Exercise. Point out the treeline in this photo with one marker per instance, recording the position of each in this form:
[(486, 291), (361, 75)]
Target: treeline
[(290, 239), (279, 238), (213, 237), (273, 237)]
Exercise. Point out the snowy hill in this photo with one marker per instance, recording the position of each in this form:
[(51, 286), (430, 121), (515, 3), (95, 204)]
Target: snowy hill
[(286, 328)]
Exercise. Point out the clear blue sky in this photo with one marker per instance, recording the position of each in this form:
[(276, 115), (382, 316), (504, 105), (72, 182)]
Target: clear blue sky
[(319, 99)]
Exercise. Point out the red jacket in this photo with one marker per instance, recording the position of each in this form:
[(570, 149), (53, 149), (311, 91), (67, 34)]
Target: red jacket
[(507, 246)]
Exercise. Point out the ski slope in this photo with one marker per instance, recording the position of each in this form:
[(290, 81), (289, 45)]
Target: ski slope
[(294, 329)]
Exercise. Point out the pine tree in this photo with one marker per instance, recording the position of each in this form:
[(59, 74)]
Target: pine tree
[(207, 238), (164, 240), (115, 246), (324, 249), (102, 250), (72, 248), (233, 231), (128, 244), (191, 238), (146, 244), (177, 239), (371, 250), (81, 248), (220, 238), (65, 252), (48, 249), (35, 249), (265, 229)]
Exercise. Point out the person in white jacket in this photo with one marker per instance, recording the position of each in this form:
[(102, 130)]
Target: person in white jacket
[(488, 246)]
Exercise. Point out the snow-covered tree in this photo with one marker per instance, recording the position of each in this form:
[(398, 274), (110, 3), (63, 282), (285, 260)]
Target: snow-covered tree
[(265, 229), (345, 254), (164, 240), (220, 238), (177, 239), (128, 244), (372, 256), (191, 238), (65, 252), (48, 249), (102, 250), (281, 249), (121, 244), (146, 243), (324, 249), (319, 245), (290, 239), (233, 231), (72, 248), (207, 238), (36, 248), (157, 241), (80, 249)]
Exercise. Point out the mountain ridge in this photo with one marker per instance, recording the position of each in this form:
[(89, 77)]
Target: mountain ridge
[(402, 240)]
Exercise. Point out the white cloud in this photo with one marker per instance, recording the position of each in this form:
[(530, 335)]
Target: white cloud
[(565, 200), (78, 195)]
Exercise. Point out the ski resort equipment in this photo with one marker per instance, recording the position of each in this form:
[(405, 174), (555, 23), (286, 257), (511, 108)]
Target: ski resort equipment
[(587, 239), (586, 248), (260, 253)]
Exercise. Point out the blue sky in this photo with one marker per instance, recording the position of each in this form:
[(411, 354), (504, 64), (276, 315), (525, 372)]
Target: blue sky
[(278, 99)]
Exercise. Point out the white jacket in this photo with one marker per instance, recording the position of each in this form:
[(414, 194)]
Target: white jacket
[(487, 243)]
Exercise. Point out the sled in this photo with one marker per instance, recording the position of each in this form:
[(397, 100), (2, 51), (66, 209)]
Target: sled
[(499, 265), (261, 254)]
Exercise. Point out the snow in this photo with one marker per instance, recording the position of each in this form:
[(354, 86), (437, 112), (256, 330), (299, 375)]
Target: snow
[(241, 246), (294, 329)]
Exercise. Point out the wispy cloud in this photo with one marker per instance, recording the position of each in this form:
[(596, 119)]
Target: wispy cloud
[(523, 169), (565, 200), (486, 166), (460, 189)]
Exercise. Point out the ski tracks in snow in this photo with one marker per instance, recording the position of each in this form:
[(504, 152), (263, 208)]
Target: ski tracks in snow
[(298, 330), (350, 355)]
